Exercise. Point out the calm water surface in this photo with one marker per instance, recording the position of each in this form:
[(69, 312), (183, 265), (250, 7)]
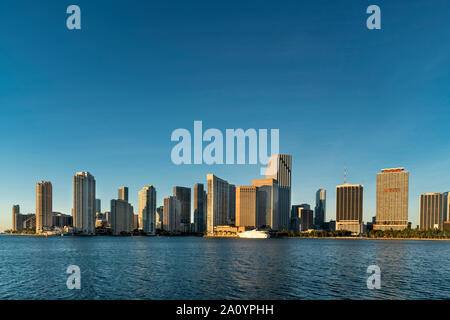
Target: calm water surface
[(196, 268)]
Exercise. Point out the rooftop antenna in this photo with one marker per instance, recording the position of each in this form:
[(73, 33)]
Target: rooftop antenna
[(345, 175)]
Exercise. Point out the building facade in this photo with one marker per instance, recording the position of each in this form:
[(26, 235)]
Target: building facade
[(183, 194), (122, 193), (320, 209), (199, 208), (43, 206), (17, 219), (431, 211), (217, 202), (267, 202), (392, 199), (349, 208), (122, 217), (172, 214), (147, 209), (446, 206), (280, 169), (232, 204), (246, 206), (84, 203)]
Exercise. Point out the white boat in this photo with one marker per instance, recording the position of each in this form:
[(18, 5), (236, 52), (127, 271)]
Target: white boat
[(254, 234)]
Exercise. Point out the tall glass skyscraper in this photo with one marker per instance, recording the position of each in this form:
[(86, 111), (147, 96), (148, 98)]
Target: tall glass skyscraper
[(320, 209)]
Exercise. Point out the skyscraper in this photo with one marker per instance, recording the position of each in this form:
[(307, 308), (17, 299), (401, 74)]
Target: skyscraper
[(98, 205), (123, 193), (246, 213), (267, 202), (392, 199), (184, 195), (431, 211), (349, 207), (43, 205), (84, 203), (147, 210), (17, 220), (280, 169), (199, 208), (320, 209), (232, 204), (217, 202), (122, 217), (172, 214), (446, 206)]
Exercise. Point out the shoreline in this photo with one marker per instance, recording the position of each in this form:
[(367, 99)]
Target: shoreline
[(234, 237)]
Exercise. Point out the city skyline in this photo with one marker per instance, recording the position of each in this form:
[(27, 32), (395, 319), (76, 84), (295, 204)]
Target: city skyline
[(341, 95), (121, 192)]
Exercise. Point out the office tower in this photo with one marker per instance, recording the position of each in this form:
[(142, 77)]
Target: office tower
[(17, 222), (136, 222), (159, 217), (349, 207), (246, 213), (302, 218), (431, 211), (280, 169), (320, 209), (392, 199), (199, 208), (98, 205), (123, 193), (172, 214), (232, 204), (84, 203), (446, 213), (217, 202), (147, 210), (43, 205), (122, 217), (184, 195), (267, 202)]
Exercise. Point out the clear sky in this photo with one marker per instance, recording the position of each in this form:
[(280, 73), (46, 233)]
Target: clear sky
[(105, 99)]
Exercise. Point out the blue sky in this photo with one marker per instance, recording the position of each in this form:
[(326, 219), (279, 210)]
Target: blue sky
[(106, 99)]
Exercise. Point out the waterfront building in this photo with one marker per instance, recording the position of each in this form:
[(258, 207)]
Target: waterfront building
[(17, 218), (446, 213), (280, 169), (349, 207), (183, 194), (199, 208), (232, 204), (392, 199), (61, 220), (267, 202), (43, 206), (122, 193), (320, 209), (172, 214), (29, 221), (136, 222), (84, 203), (217, 202), (122, 217), (147, 209), (431, 211), (246, 206), (302, 218), (159, 217)]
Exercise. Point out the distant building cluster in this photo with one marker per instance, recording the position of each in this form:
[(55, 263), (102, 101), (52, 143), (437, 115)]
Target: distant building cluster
[(223, 208)]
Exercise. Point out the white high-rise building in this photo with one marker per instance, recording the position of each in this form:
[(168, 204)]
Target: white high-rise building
[(172, 214), (84, 203), (147, 209), (122, 217)]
